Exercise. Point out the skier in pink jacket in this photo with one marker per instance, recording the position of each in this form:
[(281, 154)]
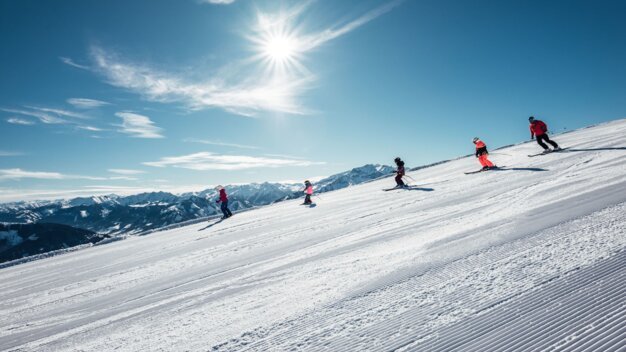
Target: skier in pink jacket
[(308, 190)]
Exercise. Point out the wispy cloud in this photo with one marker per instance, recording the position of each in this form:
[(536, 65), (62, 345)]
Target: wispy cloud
[(211, 161), (90, 128), (125, 178), (126, 171), (19, 121), (313, 41), (68, 61), (44, 117), (218, 143), (259, 85), (244, 97), (13, 195), (60, 112), (284, 156), (18, 174), (218, 2), (84, 103), (6, 153), (138, 126)]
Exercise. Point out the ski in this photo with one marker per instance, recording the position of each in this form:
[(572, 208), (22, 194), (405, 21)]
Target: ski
[(399, 187), (546, 153), (391, 189), (474, 172), (483, 170)]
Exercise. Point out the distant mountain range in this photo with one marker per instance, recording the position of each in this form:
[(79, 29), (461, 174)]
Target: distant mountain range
[(114, 215)]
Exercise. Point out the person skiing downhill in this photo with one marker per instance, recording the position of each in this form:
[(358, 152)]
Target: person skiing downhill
[(399, 172), (540, 130), (224, 200), (482, 154), (308, 190)]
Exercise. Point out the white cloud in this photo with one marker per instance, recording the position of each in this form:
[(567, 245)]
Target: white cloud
[(84, 103), (218, 143), (42, 116), (244, 97), (68, 61), (276, 86), (284, 156), (19, 121), (60, 112), (218, 2), (18, 174), (90, 128), (14, 195), (314, 40), (5, 153), (138, 126), (126, 171), (124, 178), (211, 161)]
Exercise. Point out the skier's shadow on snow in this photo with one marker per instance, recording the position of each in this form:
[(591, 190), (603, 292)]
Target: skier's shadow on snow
[(595, 149), (211, 224), (425, 189), (520, 169)]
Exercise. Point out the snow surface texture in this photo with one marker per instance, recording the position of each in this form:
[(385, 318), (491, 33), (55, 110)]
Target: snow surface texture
[(530, 257)]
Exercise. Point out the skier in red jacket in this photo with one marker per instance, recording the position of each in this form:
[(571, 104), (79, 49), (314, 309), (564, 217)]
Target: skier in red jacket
[(224, 200), (482, 154), (539, 129)]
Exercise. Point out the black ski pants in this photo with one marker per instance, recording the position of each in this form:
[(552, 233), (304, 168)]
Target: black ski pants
[(225, 209), (544, 137), (399, 181)]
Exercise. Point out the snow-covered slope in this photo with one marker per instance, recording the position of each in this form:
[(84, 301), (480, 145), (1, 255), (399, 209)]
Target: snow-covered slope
[(530, 257)]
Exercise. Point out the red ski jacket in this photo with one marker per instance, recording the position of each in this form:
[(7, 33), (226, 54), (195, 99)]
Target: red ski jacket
[(481, 148), (537, 128), (223, 197)]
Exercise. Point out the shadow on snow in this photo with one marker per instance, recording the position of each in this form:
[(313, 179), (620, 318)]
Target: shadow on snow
[(596, 149), (211, 224), (520, 169)]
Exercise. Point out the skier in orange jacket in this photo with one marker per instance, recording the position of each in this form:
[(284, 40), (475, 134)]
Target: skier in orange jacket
[(482, 154)]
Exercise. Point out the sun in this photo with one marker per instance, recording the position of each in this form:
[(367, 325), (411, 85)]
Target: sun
[(280, 48)]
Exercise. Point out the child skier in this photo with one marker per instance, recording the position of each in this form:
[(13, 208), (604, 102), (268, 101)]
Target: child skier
[(308, 190), (482, 154), (539, 129), (399, 172), (224, 200)]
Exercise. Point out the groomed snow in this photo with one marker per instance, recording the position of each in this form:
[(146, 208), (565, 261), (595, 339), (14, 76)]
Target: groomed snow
[(526, 258)]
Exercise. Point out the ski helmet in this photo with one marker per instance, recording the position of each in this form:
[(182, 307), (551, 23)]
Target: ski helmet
[(475, 139), (397, 160), (531, 119)]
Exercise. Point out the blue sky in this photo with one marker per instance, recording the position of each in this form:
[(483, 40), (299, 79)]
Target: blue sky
[(128, 96)]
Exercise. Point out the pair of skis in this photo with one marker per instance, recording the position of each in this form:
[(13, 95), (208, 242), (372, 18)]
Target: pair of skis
[(399, 187), (546, 153), (483, 170)]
